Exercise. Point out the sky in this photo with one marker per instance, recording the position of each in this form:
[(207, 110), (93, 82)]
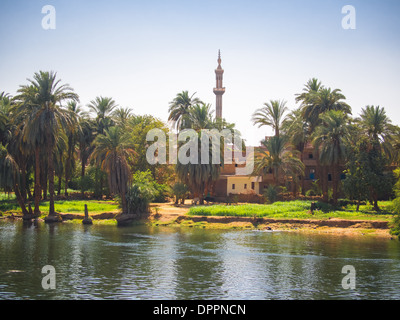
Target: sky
[(143, 53)]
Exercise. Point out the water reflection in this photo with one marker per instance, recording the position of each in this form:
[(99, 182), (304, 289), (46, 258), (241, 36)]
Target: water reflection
[(106, 262)]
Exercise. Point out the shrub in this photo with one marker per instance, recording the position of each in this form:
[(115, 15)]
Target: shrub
[(138, 199), (271, 193)]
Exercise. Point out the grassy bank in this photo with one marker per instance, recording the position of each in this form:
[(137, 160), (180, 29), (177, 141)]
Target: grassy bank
[(296, 210), (63, 206)]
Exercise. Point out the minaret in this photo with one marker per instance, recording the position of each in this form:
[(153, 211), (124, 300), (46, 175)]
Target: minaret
[(219, 90)]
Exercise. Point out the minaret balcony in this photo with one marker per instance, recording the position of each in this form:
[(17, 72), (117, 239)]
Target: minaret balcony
[(219, 91)]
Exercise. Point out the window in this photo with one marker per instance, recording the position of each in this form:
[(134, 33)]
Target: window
[(245, 186), (233, 186), (310, 156), (253, 185), (329, 177), (312, 174)]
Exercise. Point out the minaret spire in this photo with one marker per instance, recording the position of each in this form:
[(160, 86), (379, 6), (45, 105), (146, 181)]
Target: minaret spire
[(219, 90)]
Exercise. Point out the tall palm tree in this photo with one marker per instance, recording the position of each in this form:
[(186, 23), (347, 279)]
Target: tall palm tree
[(199, 177), (312, 86), (179, 109), (9, 177), (278, 156), (297, 130), (103, 107), (112, 151), (74, 112), (86, 136), (323, 100), (272, 115), (200, 116), (122, 115), (377, 126), (40, 103), (331, 138)]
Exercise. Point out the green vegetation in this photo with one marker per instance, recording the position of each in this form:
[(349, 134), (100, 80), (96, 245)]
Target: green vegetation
[(63, 206), (295, 210)]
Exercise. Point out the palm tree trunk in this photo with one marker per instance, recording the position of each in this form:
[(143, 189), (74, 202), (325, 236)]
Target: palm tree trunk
[(20, 200), (67, 168), (82, 177), (334, 184), (37, 181), (51, 178)]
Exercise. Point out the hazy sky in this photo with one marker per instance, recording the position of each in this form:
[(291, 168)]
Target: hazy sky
[(142, 53)]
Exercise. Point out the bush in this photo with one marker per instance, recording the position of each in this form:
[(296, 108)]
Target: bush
[(271, 193), (138, 199)]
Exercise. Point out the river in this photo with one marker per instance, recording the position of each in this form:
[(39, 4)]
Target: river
[(143, 262)]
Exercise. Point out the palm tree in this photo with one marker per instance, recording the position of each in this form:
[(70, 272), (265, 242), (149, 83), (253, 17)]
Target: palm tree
[(103, 108), (200, 116), (199, 177), (330, 138), (377, 126), (297, 130), (324, 99), (315, 100), (122, 115), (74, 112), (9, 177), (40, 103), (272, 115), (112, 151), (85, 138), (313, 86), (179, 109), (278, 156)]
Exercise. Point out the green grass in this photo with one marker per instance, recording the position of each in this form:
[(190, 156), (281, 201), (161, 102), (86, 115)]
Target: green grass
[(63, 206), (295, 210)]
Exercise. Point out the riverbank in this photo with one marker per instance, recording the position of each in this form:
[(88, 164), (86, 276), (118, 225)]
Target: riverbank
[(179, 216), (169, 214)]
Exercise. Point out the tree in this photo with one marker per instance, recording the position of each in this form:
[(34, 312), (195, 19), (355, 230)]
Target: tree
[(330, 138), (377, 150), (377, 126), (279, 156), (200, 117), (9, 177), (297, 130), (40, 103), (272, 115), (112, 151), (315, 100), (86, 136), (121, 116), (199, 177), (179, 109), (355, 185), (395, 225), (103, 107), (74, 112)]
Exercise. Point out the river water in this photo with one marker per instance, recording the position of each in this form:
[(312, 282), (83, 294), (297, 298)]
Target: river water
[(143, 262)]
